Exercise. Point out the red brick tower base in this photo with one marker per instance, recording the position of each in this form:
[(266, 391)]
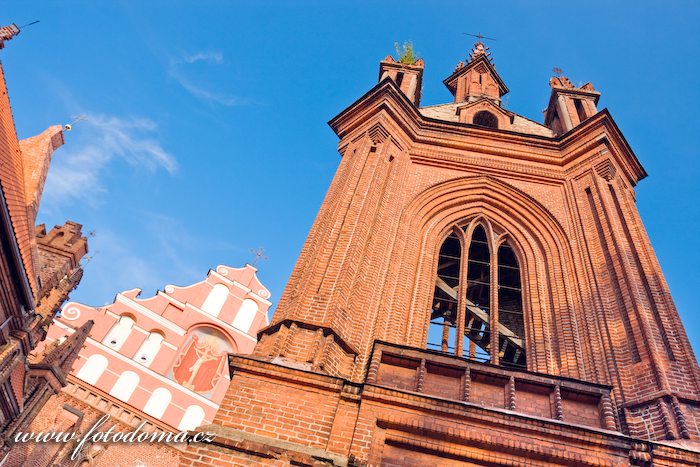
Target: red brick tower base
[(514, 252), (419, 408)]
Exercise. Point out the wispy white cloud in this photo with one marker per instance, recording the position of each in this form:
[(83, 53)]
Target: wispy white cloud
[(177, 71), (205, 94), (77, 174), (213, 57)]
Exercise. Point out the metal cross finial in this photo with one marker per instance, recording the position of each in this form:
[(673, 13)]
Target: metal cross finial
[(259, 255), (557, 71), (479, 36)]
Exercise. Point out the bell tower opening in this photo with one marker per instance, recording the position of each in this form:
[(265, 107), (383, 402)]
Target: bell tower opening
[(477, 316), (510, 309), (443, 317), (472, 318)]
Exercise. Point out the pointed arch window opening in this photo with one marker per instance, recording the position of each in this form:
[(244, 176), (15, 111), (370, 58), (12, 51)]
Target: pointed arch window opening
[(477, 313), (472, 315), (442, 330)]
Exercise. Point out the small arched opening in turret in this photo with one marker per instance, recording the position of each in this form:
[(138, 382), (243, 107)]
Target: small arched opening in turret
[(485, 118)]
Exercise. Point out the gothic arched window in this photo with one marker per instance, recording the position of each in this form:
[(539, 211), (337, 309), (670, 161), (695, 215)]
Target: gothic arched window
[(492, 299), (485, 118), (443, 318)]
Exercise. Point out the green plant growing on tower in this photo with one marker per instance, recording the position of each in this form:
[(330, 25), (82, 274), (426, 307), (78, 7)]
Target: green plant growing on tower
[(406, 54)]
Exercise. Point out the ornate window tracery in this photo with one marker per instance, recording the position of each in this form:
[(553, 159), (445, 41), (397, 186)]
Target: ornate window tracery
[(478, 289)]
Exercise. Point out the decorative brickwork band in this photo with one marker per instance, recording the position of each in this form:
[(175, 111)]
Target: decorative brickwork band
[(680, 418), (608, 415), (466, 385), (315, 354), (511, 393), (640, 455), (558, 410), (374, 368), (420, 379), (665, 419)]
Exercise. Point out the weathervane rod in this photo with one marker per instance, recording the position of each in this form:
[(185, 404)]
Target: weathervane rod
[(479, 36), (29, 24)]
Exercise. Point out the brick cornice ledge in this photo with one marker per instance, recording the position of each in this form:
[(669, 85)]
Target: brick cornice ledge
[(312, 327), (270, 448), (274, 370)]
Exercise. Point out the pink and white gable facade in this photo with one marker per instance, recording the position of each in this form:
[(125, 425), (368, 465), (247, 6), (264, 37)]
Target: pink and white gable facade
[(167, 356)]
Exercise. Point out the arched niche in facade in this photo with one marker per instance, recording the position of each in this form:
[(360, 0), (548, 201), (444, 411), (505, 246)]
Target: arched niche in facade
[(119, 332), (93, 368), (149, 348), (193, 417), (202, 360), (125, 386), (158, 402), (246, 315), (215, 300)]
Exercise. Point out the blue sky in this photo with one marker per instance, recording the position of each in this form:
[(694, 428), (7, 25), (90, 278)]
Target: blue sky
[(206, 130)]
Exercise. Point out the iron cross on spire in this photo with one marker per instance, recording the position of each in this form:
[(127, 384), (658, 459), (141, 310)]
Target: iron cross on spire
[(259, 255), (479, 36)]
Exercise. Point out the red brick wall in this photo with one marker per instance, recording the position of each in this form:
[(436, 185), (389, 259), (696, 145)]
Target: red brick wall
[(280, 410)]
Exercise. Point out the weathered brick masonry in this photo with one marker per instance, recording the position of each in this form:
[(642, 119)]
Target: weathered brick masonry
[(580, 359)]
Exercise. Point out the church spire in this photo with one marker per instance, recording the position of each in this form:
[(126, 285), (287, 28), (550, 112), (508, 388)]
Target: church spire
[(477, 79)]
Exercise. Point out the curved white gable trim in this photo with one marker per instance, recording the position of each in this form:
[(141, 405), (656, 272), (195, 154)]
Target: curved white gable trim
[(93, 368), (246, 314), (194, 415), (215, 300), (158, 402), (125, 386)]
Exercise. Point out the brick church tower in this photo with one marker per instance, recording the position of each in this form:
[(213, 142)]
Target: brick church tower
[(477, 288)]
